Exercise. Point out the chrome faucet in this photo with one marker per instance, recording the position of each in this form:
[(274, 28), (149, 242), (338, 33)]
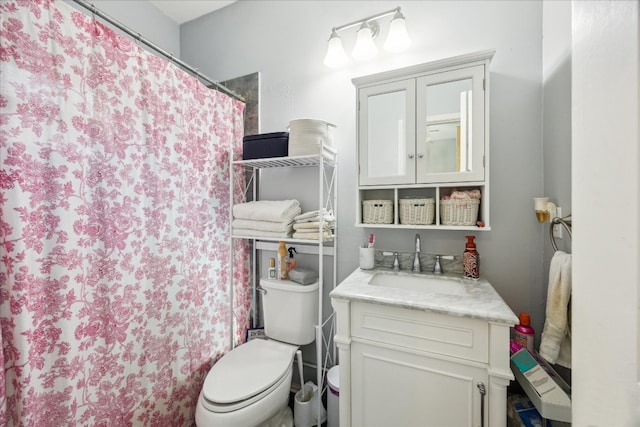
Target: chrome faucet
[(416, 260)]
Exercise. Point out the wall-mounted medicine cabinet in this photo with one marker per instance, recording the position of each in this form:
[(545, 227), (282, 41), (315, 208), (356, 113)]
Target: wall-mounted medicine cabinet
[(423, 133)]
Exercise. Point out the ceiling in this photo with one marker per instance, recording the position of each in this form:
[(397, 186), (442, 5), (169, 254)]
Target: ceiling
[(182, 11)]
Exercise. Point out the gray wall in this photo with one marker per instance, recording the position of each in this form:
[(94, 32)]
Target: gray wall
[(556, 107), (285, 41), (144, 18)]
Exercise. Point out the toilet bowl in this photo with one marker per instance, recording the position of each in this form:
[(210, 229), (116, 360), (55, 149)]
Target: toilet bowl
[(247, 386), (250, 385)]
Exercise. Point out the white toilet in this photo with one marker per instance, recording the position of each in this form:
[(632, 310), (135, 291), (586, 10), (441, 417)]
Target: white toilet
[(250, 385)]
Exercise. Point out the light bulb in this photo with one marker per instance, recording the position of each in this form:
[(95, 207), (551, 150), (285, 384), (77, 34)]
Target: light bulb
[(365, 48), (398, 38), (336, 56)]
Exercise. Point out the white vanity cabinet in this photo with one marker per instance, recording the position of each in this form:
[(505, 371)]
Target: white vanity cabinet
[(413, 390), (424, 131), (421, 360)]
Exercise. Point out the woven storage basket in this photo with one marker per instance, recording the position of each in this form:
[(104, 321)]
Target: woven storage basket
[(377, 211), (459, 212), (417, 211)]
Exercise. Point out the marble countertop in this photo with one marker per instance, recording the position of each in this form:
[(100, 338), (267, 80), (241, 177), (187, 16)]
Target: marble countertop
[(480, 302)]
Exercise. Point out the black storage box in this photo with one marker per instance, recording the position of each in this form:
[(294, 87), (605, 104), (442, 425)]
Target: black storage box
[(265, 145)]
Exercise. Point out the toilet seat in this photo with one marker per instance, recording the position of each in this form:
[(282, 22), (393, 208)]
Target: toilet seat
[(247, 374)]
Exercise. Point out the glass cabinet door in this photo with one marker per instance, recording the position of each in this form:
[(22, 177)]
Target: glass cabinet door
[(450, 126), (386, 131)]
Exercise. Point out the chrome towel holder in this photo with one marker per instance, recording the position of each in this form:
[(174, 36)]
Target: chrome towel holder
[(565, 222)]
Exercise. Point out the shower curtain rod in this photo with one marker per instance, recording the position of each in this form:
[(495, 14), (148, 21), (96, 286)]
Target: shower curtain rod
[(92, 8)]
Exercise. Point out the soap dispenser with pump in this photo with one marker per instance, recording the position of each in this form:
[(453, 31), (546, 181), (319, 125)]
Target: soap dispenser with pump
[(470, 259)]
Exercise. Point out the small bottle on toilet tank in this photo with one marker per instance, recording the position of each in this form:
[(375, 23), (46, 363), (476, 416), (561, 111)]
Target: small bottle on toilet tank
[(272, 268)]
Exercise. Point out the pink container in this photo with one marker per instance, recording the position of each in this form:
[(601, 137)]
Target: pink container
[(524, 333)]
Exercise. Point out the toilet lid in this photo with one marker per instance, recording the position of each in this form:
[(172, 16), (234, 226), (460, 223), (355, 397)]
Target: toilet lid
[(247, 370)]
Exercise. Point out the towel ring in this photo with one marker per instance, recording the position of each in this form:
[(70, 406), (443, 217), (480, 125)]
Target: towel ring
[(565, 222)]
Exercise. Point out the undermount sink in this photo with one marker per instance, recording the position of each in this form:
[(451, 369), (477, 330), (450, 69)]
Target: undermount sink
[(419, 283)]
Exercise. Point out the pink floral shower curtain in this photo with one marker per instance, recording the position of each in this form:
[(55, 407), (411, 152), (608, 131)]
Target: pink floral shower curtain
[(114, 230)]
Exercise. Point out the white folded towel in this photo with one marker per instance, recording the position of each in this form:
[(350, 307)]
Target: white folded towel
[(555, 345), (314, 216), (326, 236), (311, 226), (244, 232), (262, 225), (268, 210)]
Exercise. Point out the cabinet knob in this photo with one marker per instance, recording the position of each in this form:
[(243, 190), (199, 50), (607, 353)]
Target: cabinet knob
[(411, 156), (420, 155)]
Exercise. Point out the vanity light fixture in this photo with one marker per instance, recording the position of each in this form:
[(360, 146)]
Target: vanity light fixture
[(365, 48), (336, 57), (398, 39)]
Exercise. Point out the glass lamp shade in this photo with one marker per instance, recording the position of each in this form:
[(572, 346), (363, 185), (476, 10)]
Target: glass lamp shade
[(398, 39), (336, 56), (365, 48)]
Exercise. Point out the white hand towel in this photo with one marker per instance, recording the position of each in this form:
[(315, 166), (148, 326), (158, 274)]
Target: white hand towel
[(261, 225), (311, 226), (268, 210), (326, 236), (243, 232), (555, 345), (314, 216)]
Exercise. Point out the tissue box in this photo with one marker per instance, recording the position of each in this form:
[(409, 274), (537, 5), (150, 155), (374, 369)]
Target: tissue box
[(265, 145)]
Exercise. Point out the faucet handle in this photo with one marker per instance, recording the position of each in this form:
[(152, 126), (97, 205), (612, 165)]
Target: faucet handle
[(437, 268), (396, 263)]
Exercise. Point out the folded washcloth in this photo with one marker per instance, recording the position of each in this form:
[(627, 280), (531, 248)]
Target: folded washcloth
[(555, 345), (268, 210), (315, 216), (244, 232), (262, 225), (326, 236), (311, 226)]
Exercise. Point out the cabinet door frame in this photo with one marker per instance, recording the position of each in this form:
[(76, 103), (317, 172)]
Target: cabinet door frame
[(477, 75), (408, 86), (373, 391)]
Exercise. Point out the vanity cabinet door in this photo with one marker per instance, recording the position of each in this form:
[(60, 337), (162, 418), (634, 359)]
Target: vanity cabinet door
[(450, 130), (386, 131), (390, 387)]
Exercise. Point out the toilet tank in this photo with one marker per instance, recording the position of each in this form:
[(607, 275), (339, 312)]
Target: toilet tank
[(290, 310)]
